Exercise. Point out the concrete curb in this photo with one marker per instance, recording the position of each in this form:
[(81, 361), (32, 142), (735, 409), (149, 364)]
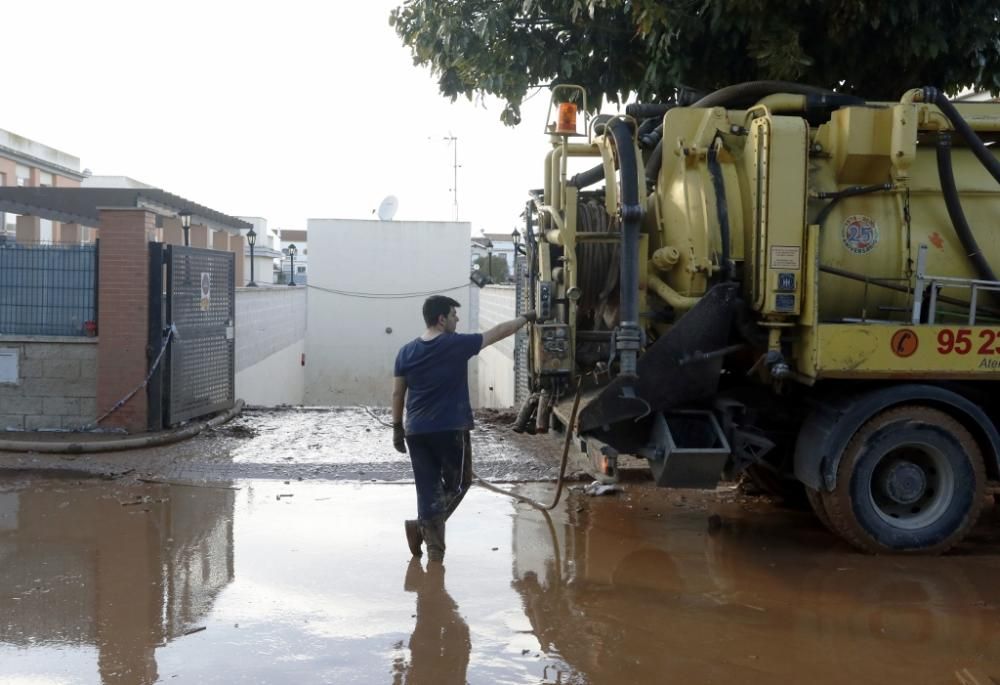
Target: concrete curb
[(163, 438)]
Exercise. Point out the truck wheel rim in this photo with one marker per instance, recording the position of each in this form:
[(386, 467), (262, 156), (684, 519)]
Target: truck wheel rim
[(911, 486)]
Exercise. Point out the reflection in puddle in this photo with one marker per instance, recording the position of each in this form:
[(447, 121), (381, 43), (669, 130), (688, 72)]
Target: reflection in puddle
[(309, 583), (643, 591), (439, 645), (110, 573)]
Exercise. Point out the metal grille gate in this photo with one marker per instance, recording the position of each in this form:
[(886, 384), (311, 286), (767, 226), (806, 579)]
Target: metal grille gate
[(521, 291), (199, 371)]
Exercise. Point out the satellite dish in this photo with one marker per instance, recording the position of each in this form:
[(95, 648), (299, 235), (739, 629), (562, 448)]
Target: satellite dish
[(388, 208)]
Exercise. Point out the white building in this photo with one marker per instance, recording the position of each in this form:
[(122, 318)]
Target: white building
[(367, 284), (287, 238), (25, 163), (265, 252)]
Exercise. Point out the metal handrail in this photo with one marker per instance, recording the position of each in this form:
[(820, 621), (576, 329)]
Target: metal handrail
[(938, 283)]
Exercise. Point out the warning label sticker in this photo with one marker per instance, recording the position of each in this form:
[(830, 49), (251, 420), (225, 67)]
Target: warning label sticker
[(786, 257)]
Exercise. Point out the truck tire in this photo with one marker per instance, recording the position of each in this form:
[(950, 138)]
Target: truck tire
[(816, 502), (911, 479)]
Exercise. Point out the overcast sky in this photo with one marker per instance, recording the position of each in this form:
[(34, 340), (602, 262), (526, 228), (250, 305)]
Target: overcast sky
[(286, 110)]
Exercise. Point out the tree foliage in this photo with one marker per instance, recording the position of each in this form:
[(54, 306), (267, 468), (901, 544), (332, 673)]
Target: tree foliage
[(649, 48), (494, 267)]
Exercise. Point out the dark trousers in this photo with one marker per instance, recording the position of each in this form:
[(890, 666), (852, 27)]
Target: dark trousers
[(442, 471)]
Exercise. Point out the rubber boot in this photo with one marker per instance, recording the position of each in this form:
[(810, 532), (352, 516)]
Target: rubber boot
[(433, 532), (414, 538)]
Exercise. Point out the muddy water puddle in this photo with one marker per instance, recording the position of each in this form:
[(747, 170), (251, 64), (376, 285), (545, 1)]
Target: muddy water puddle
[(310, 582)]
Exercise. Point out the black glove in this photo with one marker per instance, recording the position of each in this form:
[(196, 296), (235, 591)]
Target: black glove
[(530, 316), (399, 438)]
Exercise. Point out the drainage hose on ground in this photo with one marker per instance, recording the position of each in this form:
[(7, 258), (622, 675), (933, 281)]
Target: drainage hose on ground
[(562, 466), (138, 442)]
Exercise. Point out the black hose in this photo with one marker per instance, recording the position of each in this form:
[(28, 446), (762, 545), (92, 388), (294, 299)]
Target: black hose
[(951, 200), (721, 208), (647, 132), (647, 126), (962, 127), (752, 91), (628, 336), (588, 177), (837, 196), (648, 110)]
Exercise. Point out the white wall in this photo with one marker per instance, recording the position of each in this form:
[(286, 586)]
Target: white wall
[(270, 341), (497, 303), (353, 335), (277, 379)]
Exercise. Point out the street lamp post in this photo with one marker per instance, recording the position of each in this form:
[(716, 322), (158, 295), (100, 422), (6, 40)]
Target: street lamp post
[(251, 240), (186, 225), (489, 261), (291, 254)]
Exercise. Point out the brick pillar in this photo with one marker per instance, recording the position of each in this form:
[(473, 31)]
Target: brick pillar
[(200, 236), (236, 242), (123, 300), (29, 229)]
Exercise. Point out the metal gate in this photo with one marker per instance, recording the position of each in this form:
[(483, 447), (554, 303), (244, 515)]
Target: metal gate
[(198, 314)]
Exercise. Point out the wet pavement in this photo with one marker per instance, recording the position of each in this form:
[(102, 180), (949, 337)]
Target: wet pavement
[(262, 581), (291, 444)]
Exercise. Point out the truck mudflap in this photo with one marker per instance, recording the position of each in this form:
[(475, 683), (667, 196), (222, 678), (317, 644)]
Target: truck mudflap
[(678, 370)]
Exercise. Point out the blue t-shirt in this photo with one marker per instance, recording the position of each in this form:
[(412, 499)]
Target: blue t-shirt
[(437, 382)]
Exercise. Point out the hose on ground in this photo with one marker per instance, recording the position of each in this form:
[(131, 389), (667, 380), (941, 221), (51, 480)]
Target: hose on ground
[(137, 442), (562, 466)]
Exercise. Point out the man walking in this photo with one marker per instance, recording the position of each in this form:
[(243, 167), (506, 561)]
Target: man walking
[(431, 380)]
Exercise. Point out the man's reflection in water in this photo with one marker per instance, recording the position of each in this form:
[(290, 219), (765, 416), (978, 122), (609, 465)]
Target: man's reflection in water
[(440, 644)]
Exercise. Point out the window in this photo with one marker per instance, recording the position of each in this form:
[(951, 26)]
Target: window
[(44, 179), (300, 269), (23, 174), (45, 230), (11, 220), (3, 219)]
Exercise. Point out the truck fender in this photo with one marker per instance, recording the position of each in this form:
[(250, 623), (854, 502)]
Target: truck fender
[(826, 432)]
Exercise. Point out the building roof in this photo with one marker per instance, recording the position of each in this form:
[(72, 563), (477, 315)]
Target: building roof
[(26, 151), (290, 235), (498, 237), (93, 181), (83, 205)]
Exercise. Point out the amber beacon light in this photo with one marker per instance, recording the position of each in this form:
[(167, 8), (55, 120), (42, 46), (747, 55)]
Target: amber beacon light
[(566, 122)]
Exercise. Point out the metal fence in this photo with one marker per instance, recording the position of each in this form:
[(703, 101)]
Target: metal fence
[(48, 289)]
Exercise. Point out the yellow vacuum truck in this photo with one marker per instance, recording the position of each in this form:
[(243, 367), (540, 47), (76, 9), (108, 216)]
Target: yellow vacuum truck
[(779, 280)]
